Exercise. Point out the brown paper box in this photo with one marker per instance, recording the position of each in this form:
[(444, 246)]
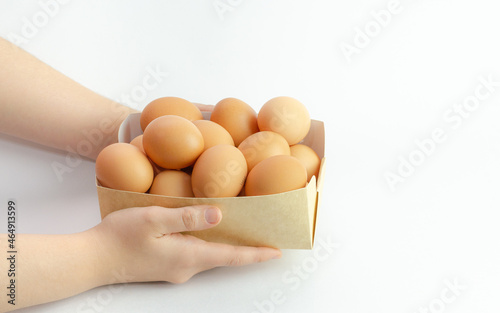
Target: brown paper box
[(285, 220)]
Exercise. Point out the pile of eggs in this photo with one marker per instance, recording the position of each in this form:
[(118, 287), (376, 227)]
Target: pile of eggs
[(236, 153)]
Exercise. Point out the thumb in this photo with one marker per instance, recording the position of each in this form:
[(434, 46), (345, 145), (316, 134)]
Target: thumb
[(190, 218)]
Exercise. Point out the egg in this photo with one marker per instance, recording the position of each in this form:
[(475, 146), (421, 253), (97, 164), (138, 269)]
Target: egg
[(308, 157), (123, 166), (213, 134), (169, 106), (220, 171), (172, 142), (285, 116), (172, 183), (137, 141), (237, 117), (276, 174), (263, 145)]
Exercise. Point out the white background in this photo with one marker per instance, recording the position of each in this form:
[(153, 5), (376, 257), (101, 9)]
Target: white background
[(395, 250)]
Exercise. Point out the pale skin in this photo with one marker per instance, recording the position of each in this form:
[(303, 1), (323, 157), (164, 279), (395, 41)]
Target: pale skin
[(131, 245)]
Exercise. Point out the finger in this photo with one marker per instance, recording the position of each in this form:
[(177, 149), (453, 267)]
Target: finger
[(217, 254), (188, 218)]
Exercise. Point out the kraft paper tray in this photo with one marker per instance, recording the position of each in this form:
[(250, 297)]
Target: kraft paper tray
[(286, 220)]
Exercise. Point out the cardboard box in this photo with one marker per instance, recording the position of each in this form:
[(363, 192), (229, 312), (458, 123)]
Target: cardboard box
[(286, 220)]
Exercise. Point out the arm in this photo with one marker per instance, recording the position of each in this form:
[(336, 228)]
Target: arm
[(39, 104), (47, 268), (130, 245)]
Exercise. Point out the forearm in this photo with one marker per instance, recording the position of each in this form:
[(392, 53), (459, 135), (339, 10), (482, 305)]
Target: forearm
[(49, 268), (39, 104)]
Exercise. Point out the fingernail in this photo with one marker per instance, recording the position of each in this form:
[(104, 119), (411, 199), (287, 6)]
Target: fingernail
[(278, 256), (212, 215)]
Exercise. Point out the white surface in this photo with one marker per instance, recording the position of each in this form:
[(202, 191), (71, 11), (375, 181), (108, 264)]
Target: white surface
[(396, 251)]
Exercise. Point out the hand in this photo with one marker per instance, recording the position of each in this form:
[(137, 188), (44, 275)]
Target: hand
[(145, 243)]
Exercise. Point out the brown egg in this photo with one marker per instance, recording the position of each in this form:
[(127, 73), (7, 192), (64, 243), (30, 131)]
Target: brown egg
[(123, 166), (237, 117), (286, 116), (276, 174), (172, 183), (263, 145), (137, 141), (219, 172), (172, 142), (213, 134), (169, 106), (308, 158)]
